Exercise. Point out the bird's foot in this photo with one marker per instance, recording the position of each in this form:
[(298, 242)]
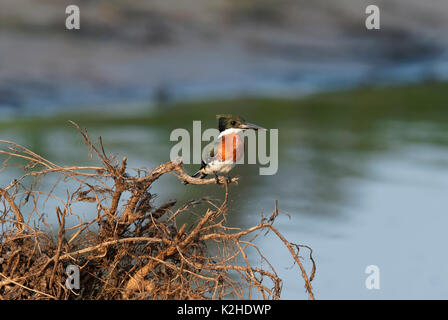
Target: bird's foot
[(229, 179), (217, 178)]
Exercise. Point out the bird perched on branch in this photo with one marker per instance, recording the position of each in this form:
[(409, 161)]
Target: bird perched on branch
[(229, 147)]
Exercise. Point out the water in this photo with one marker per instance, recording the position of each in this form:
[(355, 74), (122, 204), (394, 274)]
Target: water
[(362, 180)]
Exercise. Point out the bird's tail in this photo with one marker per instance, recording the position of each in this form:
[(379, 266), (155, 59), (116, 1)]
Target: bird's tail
[(199, 174)]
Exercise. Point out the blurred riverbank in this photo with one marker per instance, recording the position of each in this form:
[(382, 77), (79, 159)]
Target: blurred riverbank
[(154, 52)]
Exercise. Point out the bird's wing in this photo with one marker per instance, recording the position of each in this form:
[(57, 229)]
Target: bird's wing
[(212, 151)]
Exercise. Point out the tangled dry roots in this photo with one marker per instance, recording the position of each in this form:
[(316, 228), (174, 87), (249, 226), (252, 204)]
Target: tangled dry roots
[(130, 249)]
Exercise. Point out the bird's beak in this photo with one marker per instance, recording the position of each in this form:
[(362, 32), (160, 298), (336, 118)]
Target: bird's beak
[(252, 126)]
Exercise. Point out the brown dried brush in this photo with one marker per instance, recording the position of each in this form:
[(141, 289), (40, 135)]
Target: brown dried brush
[(131, 249)]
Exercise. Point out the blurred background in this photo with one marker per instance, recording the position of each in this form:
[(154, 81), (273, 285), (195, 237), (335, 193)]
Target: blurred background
[(362, 117)]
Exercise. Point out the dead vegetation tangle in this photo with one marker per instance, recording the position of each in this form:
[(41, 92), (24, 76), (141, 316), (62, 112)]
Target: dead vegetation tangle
[(131, 249)]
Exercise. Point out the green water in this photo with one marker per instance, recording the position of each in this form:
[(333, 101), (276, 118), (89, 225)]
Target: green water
[(362, 176)]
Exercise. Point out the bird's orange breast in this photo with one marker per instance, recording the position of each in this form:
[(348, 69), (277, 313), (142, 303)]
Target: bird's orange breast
[(231, 148)]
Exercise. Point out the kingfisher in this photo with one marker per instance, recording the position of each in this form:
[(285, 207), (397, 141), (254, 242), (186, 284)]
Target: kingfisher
[(228, 148)]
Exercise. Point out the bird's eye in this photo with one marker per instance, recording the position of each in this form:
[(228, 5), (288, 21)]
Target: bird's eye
[(233, 123)]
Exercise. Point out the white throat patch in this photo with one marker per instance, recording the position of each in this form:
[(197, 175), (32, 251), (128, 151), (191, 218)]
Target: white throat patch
[(229, 131)]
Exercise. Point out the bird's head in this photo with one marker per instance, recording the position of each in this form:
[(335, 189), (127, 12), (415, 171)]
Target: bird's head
[(228, 121)]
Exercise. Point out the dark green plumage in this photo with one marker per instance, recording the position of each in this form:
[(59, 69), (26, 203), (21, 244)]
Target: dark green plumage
[(228, 121)]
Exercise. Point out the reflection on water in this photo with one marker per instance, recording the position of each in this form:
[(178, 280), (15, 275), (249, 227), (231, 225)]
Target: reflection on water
[(361, 188)]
